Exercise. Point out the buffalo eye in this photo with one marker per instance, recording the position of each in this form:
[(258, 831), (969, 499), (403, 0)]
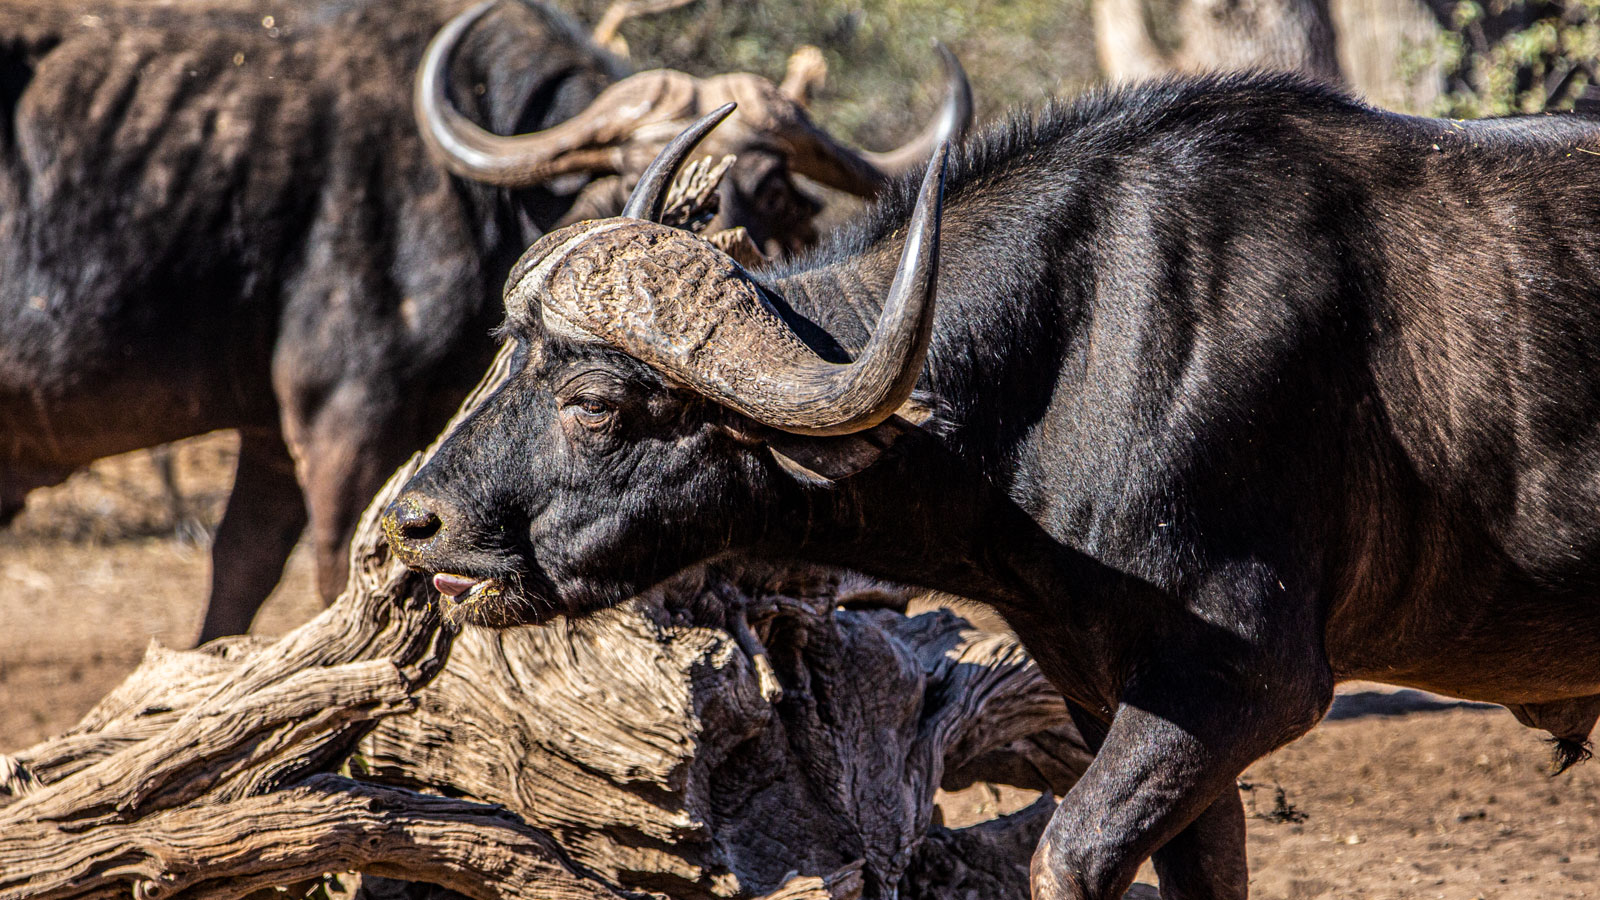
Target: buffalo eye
[(772, 196), (593, 413)]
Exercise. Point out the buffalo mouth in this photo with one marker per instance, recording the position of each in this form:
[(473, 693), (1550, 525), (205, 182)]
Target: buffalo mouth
[(495, 602), (464, 589)]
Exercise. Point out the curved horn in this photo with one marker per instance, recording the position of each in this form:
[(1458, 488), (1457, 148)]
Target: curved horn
[(673, 301), (650, 194), (579, 144), (864, 173), (859, 395), (955, 117), (795, 391)]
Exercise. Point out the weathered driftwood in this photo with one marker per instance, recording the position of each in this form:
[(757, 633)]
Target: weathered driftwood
[(652, 746), (323, 823), (732, 736)]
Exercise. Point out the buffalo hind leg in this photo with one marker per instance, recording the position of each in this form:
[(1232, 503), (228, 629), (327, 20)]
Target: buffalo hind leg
[(1206, 861), (259, 528)]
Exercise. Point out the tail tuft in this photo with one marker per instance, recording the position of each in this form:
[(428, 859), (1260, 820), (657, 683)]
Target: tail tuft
[(1568, 753)]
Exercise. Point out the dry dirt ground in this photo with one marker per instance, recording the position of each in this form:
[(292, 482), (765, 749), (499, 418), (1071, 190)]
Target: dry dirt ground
[(1395, 796)]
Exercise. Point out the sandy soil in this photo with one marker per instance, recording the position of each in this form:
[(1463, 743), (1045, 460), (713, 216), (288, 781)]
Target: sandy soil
[(96, 568), (1396, 796)]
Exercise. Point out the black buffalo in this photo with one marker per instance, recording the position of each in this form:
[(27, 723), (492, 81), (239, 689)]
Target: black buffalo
[(1237, 388), (225, 215)]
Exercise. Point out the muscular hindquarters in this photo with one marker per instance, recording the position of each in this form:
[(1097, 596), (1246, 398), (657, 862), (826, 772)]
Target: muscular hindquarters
[(1482, 550)]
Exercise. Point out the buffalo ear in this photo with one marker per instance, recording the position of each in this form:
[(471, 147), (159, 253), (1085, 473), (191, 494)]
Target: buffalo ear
[(823, 460)]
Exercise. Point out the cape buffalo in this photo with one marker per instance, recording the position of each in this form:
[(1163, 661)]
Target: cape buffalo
[(1237, 388), (225, 215)]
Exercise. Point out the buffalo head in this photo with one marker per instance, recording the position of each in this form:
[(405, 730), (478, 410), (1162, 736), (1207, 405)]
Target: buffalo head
[(661, 411), (770, 138)]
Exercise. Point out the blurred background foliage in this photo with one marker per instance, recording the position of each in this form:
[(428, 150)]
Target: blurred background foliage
[(1514, 56), (883, 77), (1443, 57)]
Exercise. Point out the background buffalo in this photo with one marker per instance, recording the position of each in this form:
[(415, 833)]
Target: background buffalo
[(220, 216)]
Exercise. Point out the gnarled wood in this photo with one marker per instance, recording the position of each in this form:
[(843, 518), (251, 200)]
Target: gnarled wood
[(230, 849), (648, 742)]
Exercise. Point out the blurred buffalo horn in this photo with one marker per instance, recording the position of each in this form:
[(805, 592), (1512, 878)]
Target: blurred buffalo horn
[(955, 117), (594, 141), (587, 142), (605, 33), (820, 157), (650, 194), (806, 72)]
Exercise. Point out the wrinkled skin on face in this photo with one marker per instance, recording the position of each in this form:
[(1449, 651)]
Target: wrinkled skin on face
[(535, 496)]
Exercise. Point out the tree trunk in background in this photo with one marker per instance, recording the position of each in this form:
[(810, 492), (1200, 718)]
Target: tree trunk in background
[(1225, 35), (1123, 43), (1370, 45), (1381, 44)]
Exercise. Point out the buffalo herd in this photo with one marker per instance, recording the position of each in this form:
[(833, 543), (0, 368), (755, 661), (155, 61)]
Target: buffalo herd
[(243, 215), (1219, 389)]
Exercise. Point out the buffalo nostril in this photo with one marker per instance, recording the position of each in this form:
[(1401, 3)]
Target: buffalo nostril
[(411, 522)]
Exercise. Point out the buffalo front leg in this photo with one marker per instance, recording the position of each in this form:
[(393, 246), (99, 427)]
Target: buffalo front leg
[(1207, 858), (1164, 782), (259, 528)]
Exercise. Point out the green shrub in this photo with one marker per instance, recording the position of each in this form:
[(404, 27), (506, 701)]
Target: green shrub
[(1515, 56)]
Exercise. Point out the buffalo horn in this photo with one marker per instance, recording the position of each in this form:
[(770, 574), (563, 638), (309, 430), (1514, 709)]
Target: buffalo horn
[(673, 301), (513, 161), (798, 392), (650, 194), (955, 116), (819, 156)]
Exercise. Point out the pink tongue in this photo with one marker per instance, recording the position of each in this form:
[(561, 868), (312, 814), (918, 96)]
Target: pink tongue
[(453, 585)]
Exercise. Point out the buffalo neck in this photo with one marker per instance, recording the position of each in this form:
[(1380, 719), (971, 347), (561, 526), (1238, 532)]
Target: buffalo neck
[(922, 516), (948, 507)]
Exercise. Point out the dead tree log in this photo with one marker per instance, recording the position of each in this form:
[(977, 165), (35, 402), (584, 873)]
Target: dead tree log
[(711, 739), (737, 734)]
